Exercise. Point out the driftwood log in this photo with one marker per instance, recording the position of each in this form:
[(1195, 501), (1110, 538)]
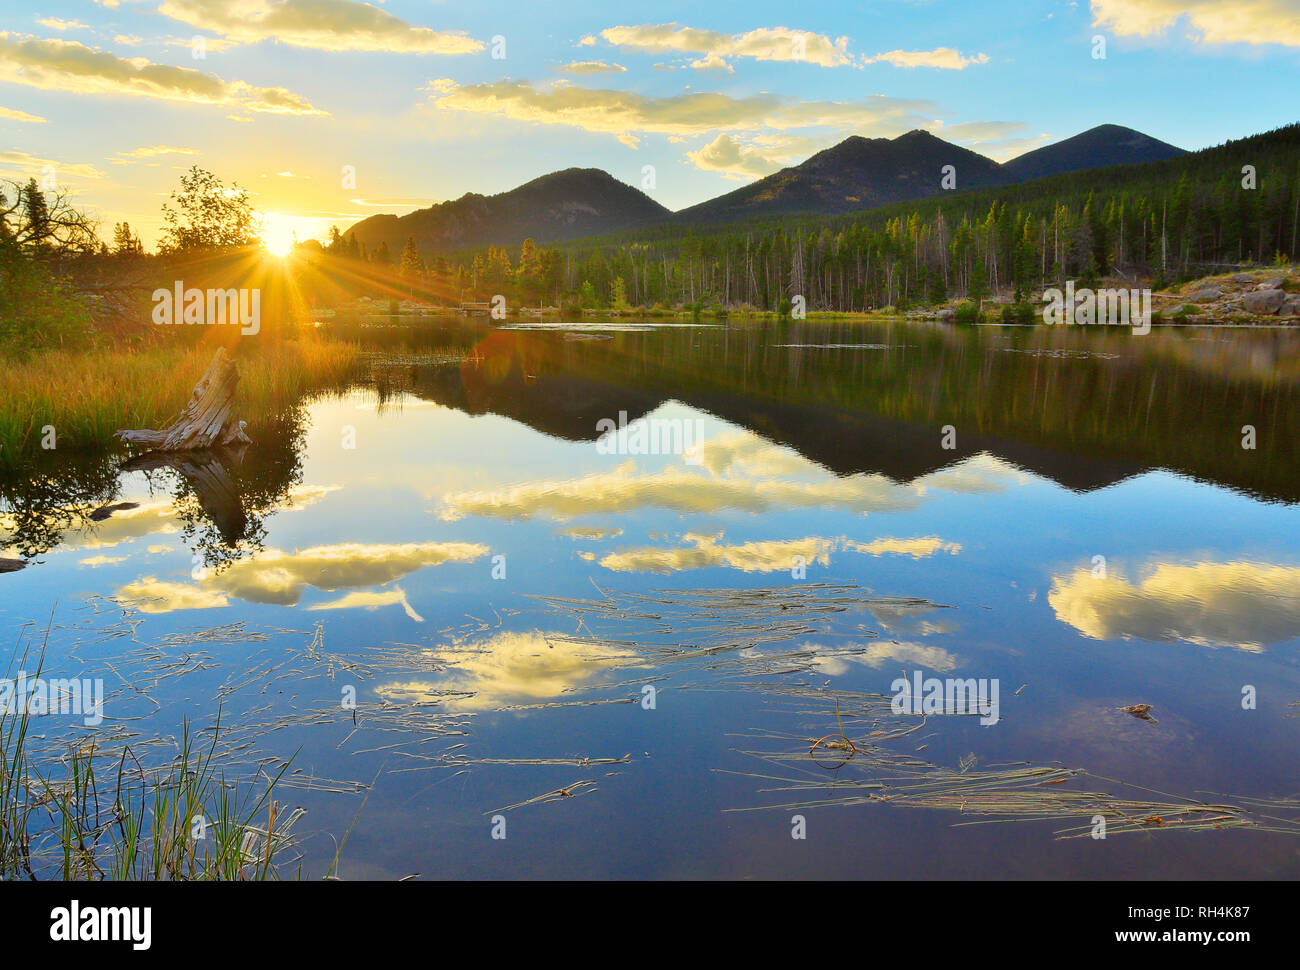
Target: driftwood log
[(206, 420)]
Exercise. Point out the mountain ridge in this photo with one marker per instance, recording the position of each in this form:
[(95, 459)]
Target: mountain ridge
[(855, 174)]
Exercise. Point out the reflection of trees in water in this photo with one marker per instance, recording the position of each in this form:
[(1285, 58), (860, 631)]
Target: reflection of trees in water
[(52, 495), (220, 496)]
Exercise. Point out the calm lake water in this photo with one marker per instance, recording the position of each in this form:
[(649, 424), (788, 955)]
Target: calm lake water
[(550, 625)]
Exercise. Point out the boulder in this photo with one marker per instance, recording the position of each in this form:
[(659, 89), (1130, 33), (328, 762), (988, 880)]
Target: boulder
[(1273, 284), (1264, 302), (1206, 294), (1291, 307)]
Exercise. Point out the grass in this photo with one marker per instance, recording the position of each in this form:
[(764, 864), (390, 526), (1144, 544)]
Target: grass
[(85, 396)]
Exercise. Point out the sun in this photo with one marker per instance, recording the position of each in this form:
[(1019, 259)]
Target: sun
[(278, 237)]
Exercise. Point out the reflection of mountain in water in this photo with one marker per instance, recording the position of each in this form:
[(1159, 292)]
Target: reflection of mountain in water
[(1084, 410)]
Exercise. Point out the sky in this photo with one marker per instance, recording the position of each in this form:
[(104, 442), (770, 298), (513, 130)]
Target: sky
[(329, 111)]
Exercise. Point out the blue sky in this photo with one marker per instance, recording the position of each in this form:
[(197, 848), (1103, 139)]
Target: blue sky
[(110, 99)]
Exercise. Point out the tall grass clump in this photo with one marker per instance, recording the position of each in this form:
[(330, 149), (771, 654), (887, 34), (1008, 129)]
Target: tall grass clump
[(85, 397)]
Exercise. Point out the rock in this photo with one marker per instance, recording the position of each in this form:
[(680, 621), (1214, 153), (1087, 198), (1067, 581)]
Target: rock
[(1291, 308), (1265, 302), (1243, 278), (1206, 294), (1273, 284), (946, 315), (11, 565)]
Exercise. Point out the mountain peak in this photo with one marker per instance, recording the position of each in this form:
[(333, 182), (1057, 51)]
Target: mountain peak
[(1099, 147), (566, 204)]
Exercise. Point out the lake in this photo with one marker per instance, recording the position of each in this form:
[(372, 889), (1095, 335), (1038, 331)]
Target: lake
[(494, 638)]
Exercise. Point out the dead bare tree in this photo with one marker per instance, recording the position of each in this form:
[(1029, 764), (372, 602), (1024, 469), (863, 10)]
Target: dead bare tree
[(40, 223)]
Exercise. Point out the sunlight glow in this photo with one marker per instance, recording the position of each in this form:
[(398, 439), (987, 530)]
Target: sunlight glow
[(278, 236)]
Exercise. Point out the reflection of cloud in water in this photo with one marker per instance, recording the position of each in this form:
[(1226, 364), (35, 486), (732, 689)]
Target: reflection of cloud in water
[(1236, 604), (152, 595), (278, 577), (765, 557), (371, 600), (509, 668), (592, 532), (916, 548), (739, 470), (94, 561), (157, 517), (835, 661), (750, 557)]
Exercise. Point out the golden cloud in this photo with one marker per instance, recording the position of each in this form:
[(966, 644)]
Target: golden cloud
[(13, 114), (328, 25), (576, 68), (944, 58), (763, 44), (18, 164), (62, 65), (153, 151), (622, 112), (754, 157), (1214, 21)]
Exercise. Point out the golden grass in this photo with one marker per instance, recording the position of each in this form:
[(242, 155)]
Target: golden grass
[(87, 395)]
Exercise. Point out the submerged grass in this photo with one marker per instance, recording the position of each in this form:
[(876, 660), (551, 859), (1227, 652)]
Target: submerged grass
[(862, 771), (86, 396)]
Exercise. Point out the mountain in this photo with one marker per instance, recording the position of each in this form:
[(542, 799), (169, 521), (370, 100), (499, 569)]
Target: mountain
[(858, 173), (1098, 147), (563, 205)]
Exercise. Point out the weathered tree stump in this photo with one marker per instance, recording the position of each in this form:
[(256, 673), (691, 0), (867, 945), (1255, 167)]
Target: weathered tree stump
[(206, 420)]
